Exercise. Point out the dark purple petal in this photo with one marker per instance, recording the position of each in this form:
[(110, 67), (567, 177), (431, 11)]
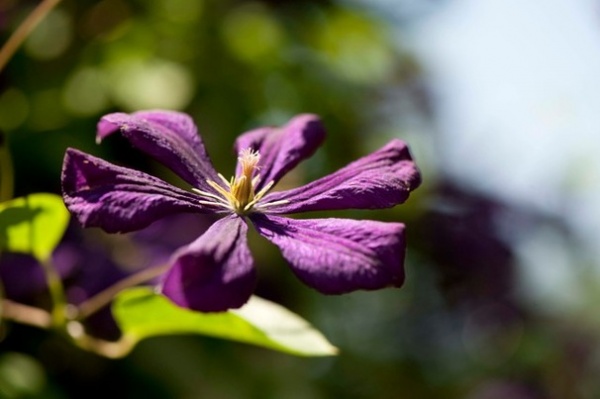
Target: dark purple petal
[(168, 136), (281, 149), (336, 256), (23, 278), (118, 199), (379, 180), (215, 272), (93, 271)]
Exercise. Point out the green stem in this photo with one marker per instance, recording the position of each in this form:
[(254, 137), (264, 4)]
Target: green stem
[(57, 294), (24, 29)]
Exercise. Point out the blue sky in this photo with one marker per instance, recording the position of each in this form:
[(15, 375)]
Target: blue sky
[(516, 86), (517, 89)]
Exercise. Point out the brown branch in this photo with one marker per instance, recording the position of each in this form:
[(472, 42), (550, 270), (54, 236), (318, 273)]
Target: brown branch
[(103, 298), (110, 349), (25, 314), (37, 317), (24, 29)]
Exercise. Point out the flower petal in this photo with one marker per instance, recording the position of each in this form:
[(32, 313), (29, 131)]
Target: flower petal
[(23, 278), (380, 180), (119, 199), (338, 255), (168, 136), (215, 272), (281, 149)]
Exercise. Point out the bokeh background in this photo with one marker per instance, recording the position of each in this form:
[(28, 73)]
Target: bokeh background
[(499, 102)]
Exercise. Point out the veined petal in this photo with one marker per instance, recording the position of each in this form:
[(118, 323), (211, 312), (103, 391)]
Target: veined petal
[(118, 199), (336, 256), (379, 180), (168, 136), (281, 149), (215, 272)]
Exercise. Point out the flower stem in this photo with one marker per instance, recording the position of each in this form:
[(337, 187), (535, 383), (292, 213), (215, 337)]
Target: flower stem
[(57, 294), (40, 318), (103, 298), (110, 349), (24, 29), (25, 314)]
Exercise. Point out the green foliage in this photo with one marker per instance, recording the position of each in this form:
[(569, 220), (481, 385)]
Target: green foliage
[(33, 224), (143, 314), (20, 376)]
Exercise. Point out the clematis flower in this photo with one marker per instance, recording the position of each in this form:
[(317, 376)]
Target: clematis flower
[(216, 271)]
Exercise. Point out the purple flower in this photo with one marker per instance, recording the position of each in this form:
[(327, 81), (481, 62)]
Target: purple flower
[(216, 271)]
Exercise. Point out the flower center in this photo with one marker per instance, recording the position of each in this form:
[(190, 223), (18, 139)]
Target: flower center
[(239, 194), (242, 187)]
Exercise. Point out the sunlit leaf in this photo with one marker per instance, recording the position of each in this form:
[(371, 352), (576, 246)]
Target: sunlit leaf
[(33, 224), (141, 313)]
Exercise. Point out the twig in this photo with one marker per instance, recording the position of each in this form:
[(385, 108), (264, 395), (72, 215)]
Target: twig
[(24, 29), (25, 314), (110, 349), (103, 298), (40, 318)]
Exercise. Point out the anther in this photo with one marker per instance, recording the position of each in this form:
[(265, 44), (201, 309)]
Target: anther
[(238, 194)]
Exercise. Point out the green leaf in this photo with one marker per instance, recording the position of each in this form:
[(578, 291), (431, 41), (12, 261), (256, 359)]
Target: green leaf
[(141, 313), (33, 224)]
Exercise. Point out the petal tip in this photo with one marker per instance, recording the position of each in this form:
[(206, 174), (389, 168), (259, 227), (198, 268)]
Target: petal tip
[(108, 125), (215, 273)]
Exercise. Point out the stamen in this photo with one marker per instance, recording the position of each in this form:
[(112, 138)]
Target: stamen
[(250, 204), (264, 190), (270, 204), (226, 206), (242, 190), (224, 180), (219, 189), (211, 195), (239, 194)]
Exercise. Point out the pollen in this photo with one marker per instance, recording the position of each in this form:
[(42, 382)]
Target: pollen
[(239, 194)]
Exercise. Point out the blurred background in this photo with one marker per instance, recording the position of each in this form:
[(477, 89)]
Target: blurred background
[(498, 100)]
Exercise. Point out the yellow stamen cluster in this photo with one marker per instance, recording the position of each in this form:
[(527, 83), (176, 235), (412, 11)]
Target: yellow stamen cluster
[(239, 194)]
